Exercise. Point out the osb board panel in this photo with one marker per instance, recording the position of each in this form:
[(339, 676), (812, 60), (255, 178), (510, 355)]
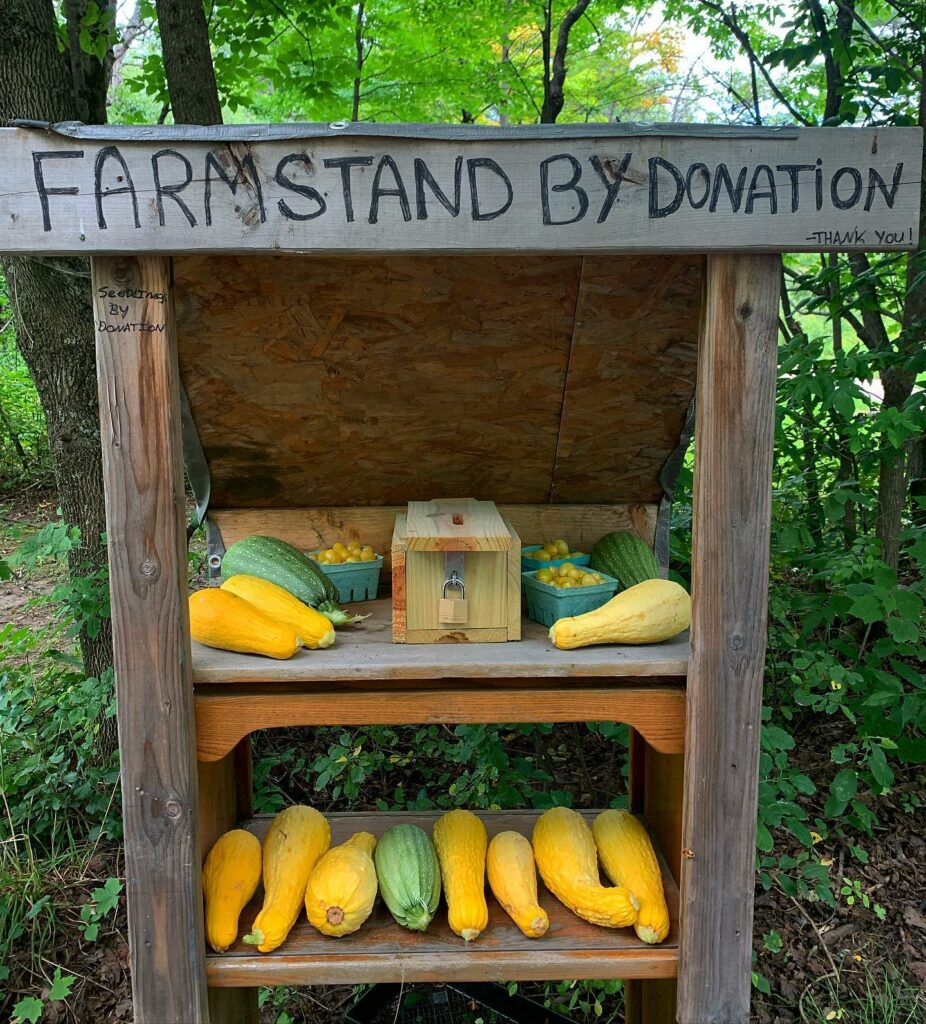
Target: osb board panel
[(631, 376), (378, 380)]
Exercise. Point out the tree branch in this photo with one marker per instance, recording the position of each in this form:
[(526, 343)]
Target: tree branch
[(555, 75), (743, 38)]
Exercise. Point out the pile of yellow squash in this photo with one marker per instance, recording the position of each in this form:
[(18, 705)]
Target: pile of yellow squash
[(338, 886), (250, 615)]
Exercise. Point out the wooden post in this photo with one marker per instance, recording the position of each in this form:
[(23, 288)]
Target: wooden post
[(145, 518), (734, 437)]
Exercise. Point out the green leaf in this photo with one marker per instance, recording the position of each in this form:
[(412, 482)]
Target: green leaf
[(28, 1009), (843, 787), (61, 985), (764, 839), (880, 769)]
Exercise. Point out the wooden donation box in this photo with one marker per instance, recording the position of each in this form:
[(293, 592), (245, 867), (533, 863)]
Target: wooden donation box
[(456, 574)]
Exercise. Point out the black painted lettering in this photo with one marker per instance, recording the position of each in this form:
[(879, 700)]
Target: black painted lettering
[(423, 177), (876, 181), (245, 174), (655, 210), (613, 187), (398, 191), (818, 183), (346, 165), (705, 175), (572, 185), (487, 164), (769, 192), (734, 192), (285, 181), (43, 190), (793, 171), (112, 153), (172, 190), (846, 203)]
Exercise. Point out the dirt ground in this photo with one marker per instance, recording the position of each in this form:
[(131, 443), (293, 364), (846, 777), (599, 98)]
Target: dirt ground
[(815, 946)]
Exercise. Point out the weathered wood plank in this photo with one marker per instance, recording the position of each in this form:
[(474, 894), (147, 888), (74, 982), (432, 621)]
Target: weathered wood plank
[(383, 951), (810, 190), (312, 528), (732, 510), (366, 652), (143, 472), (224, 718)]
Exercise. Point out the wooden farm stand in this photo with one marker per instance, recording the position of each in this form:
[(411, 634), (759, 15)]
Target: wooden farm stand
[(363, 315)]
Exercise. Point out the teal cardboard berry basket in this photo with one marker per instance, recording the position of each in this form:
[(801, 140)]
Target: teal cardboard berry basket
[(546, 603), (356, 581)]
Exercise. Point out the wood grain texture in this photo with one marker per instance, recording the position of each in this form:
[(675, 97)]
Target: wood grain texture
[(143, 472), (514, 193), (386, 380), (225, 715), (732, 510), (383, 951), (455, 524), (366, 652), (311, 528), (513, 586)]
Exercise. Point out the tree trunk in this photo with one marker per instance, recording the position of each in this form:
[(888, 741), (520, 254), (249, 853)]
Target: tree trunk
[(194, 97), (555, 73), (89, 75), (52, 309)]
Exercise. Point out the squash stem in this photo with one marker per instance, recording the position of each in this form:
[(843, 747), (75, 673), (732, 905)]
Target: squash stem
[(254, 938)]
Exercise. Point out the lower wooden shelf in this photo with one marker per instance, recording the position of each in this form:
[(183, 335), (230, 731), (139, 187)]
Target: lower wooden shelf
[(383, 952)]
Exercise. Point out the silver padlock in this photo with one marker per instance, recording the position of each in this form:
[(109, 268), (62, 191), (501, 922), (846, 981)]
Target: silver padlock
[(452, 611)]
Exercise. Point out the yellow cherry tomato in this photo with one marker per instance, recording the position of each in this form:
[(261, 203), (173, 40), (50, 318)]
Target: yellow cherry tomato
[(544, 575), (589, 581), (562, 548), (354, 545), (367, 555), (541, 555)]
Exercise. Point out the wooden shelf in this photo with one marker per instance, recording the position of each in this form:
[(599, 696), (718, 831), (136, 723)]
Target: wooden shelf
[(382, 951), (366, 652)]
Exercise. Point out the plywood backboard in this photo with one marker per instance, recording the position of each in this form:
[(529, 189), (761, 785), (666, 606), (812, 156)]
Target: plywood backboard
[(376, 380)]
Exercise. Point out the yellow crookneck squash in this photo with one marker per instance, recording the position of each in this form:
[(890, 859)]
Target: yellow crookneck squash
[(342, 887), (312, 628), (513, 881), (295, 842), (231, 875), (564, 849), (648, 613), (628, 858), (221, 619), (460, 840)]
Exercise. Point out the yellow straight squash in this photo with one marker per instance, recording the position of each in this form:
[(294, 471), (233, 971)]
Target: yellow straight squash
[(629, 859), (312, 628), (224, 620), (650, 612), (231, 874), (295, 842), (513, 881), (460, 840), (342, 886), (568, 863)]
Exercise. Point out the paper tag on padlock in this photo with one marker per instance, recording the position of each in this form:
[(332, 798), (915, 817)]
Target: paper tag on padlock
[(452, 611)]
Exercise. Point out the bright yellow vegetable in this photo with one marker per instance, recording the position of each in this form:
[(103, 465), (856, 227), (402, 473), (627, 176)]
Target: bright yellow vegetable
[(568, 863), (648, 613), (295, 842), (460, 840), (513, 880), (312, 628), (342, 886), (629, 859), (224, 620), (231, 874)]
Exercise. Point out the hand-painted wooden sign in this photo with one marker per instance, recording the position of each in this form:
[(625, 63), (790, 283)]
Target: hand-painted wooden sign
[(819, 189)]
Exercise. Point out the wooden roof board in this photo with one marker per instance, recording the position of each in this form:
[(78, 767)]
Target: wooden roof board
[(374, 380)]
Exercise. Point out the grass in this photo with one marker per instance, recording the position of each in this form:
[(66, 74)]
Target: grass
[(883, 998)]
